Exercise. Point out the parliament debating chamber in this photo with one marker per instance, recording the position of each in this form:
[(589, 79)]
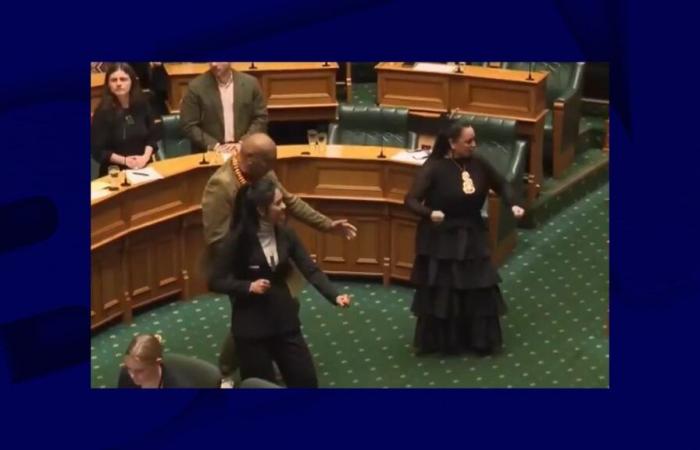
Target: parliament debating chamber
[(351, 140)]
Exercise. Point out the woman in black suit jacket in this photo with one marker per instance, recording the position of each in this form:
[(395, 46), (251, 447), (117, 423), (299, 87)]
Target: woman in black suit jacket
[(251, 266)]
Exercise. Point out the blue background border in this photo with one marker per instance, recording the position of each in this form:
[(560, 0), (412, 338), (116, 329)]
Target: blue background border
[(44, 221)]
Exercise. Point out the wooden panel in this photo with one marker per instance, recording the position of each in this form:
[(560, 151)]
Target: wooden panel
[(97, 81), (298, 176), (140, 264), (415, 91), (156, 200), (366, 249), (343, 179), (176, 91), (167, 261), (95, 98), (107, 290), (498, 98), (399, 181), (155, 263), (293, 89), (333, 252), (403, 234), (106, 220)]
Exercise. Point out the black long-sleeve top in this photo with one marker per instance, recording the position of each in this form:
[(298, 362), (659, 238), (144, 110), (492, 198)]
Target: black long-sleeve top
[(125, 132), (438, 186)]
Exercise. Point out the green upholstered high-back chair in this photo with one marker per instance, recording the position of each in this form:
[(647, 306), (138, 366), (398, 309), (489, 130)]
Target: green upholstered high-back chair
[(372, 125), (564, 90), (174, 142)]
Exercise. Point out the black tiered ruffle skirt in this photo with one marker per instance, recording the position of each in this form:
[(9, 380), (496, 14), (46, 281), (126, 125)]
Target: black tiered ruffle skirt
[(457, 301)]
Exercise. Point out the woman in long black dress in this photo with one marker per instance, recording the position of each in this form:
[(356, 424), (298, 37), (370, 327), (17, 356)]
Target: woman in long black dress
[(457, 302), (251, 266)]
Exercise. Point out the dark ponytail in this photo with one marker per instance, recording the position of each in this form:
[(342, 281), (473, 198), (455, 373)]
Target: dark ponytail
[(451, 132)]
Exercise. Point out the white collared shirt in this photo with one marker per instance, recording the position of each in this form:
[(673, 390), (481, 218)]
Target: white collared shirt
[(268, 242), (226, 93)]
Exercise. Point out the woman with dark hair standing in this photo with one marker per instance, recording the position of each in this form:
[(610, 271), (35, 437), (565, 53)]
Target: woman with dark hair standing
[(124, 130), (457, 300), (251, 266)]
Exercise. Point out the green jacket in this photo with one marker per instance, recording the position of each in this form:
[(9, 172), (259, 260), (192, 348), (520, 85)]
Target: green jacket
[(202, 115)]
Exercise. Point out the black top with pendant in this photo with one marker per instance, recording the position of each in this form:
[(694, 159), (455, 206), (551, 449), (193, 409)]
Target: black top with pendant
[(126, 132), (440, 185)]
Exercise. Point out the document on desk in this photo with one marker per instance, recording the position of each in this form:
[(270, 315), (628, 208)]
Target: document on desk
[(138, 176), (434, 67), (417, 157)]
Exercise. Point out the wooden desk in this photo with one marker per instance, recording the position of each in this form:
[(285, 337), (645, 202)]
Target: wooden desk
[(294, 90), (147, 240), (477, 90), (97, 82)]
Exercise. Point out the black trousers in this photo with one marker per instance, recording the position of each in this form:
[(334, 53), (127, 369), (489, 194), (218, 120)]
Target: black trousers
[(288, 350)]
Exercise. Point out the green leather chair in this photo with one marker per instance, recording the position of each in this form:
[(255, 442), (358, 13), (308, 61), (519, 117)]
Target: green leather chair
[(372, 125), (564, 90), (174, 142), (498, 142)]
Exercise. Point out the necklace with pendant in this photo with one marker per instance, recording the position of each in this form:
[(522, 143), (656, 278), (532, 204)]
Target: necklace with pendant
[(467, 182), (237, 171)]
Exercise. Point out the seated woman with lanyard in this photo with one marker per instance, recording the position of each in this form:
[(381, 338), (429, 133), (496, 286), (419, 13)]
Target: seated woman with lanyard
[(124, 130), (251, 266), (145, 367)]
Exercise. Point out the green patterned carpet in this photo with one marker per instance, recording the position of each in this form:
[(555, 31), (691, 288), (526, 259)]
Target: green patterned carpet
[(556, 285)]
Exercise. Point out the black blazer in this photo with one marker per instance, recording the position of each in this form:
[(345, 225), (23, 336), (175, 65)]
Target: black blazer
[(276, 311)]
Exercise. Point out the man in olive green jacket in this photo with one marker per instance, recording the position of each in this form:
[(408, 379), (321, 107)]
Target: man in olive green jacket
[(220, 107), (252, 162)]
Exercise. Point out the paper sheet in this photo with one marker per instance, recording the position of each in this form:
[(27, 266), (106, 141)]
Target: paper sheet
[(433, 67), (419, 157), (139, 176)]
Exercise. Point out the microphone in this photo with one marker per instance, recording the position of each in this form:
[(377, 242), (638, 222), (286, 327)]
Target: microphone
[(204, 161), (529, 73), (381, 134), (252, 66), (125, 183)]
